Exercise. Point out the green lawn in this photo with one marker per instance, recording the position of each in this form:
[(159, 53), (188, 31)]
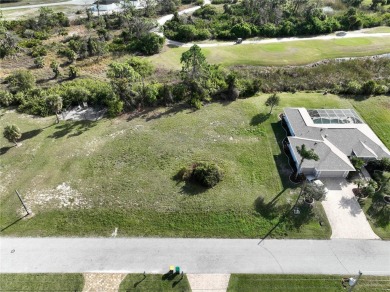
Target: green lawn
[(163, 283), (307, 283), (281, 54), (86, 178), (41, 282)]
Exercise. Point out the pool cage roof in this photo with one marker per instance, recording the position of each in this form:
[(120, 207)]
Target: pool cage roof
[(334, 116)]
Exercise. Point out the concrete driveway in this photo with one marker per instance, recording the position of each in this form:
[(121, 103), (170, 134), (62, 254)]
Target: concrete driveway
[(345, 216)]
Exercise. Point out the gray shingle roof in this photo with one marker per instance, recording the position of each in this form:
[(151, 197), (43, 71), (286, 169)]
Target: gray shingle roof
[(341, 141)]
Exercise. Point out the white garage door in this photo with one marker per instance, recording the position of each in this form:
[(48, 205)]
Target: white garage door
[(332, 174)]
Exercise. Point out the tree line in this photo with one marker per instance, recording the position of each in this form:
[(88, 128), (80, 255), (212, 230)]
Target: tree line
[(270, 18)]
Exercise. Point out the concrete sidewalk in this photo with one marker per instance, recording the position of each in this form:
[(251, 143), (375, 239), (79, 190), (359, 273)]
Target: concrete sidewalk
[(194, 256)]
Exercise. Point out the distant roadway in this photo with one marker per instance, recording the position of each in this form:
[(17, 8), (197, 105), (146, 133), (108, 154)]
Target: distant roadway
[(155, 255), (72, 2)]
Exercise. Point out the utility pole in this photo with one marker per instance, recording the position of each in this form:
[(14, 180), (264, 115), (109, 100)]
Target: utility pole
[(20, 198), (355, 283)]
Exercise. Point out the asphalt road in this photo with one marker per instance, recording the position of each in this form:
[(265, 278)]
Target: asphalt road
[(154, 255)]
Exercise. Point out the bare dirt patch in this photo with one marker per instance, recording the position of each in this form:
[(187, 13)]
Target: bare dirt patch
[(63, 196)]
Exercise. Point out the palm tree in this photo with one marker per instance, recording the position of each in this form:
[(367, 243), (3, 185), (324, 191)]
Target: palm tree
[(55, 102), (307, 154), (12, 133)]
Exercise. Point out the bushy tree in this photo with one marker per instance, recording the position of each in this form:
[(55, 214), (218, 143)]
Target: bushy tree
[(8, 44), (150, 44), (272, 101), (315, 191), (20, 80), (123, 78), (12, 133)]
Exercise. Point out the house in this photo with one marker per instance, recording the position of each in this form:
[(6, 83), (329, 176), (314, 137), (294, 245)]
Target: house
[(335, 135), (112, 5)]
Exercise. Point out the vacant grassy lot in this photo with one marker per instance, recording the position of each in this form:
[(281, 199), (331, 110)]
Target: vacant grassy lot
[(163, 283), (310, 283), (281, 54), (86, 178), (41, 282)]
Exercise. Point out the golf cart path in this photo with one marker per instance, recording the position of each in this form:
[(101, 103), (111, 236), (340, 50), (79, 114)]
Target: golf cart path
[(194, 256), (344, 213)]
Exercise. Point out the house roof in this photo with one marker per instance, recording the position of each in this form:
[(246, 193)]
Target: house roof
[(333, 142)]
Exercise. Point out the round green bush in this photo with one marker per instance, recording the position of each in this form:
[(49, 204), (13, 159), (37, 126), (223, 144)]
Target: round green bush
[(208, 175)]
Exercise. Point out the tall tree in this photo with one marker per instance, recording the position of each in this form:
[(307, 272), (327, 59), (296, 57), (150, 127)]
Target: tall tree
[(12, 133), (55, 103), (123, 76), (272, 101), (194, 73), (306, 154)]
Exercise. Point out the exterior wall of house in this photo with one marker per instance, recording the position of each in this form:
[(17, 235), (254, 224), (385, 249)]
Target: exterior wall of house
[(293, 156), (288, 125)]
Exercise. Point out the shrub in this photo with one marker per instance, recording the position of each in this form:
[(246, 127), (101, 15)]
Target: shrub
[(357, 162), (206, 174), (368, 191), (199, 2), (41, 35), (150, 44), (241, 30), (39, 62), (73, 72), (6, 98), (353, 87), (20, 80), (30, 43), (38, 51), (114, 107), (369, 87)]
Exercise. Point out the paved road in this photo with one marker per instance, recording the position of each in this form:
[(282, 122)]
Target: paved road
[(154, 255)]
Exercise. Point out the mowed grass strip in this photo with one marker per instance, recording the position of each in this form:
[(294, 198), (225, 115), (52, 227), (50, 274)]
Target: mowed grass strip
[(150, 282), (314, 283), (41, 282), (282, 53), (87, 178)]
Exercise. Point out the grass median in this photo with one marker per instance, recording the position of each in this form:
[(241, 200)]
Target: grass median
[(325, 283), (41, 282)]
